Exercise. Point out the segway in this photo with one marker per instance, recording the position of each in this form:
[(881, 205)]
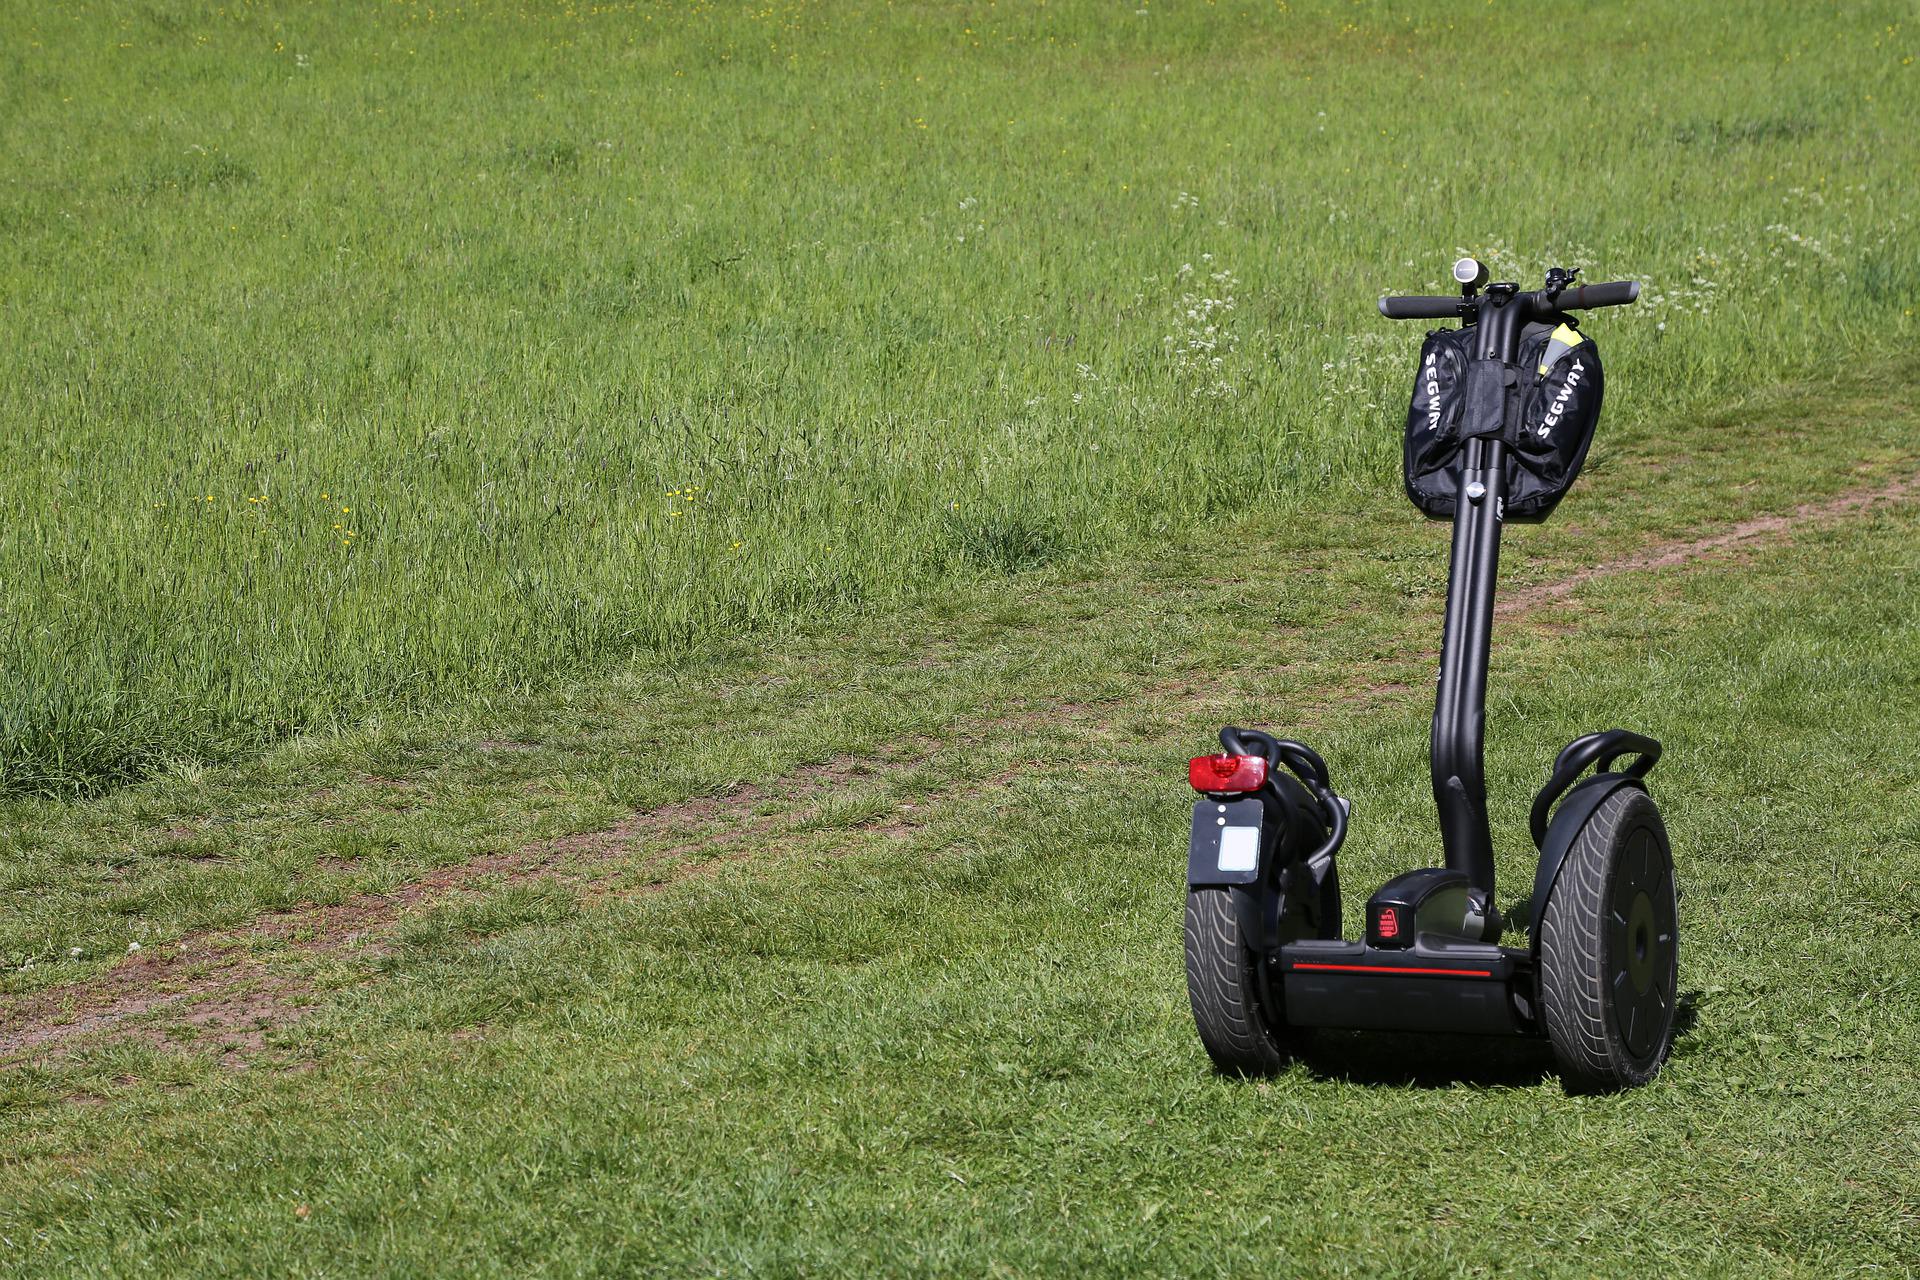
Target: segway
[(1503, 409)]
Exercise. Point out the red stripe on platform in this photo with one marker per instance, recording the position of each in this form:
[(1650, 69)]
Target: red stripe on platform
[(1384, 968)]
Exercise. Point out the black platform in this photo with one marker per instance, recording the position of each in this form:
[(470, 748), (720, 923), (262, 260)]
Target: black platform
[(1441, 985)]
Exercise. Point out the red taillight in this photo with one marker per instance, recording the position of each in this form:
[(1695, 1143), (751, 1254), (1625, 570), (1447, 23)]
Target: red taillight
[(1227, 773)]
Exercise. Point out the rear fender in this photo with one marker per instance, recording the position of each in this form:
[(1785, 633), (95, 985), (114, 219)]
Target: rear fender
[(1248, 840), (1230, 842), (1258, 847)]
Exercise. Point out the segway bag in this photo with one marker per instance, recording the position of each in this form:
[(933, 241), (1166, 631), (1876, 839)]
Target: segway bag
[(1545, 408)]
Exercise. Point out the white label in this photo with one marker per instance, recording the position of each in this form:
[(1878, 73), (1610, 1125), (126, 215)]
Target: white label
[(1239, 848)]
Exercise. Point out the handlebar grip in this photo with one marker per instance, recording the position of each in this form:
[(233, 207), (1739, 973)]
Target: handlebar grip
[(1582, 296), (1420, 308)]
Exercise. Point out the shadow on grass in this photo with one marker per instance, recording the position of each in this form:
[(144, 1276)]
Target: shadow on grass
[(1395, 1060), (1427, 1061)]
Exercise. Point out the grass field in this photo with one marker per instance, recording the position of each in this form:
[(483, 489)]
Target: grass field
[(606, 605), (364, 358), (884, 976)]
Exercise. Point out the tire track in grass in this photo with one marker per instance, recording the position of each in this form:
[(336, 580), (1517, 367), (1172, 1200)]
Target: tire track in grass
[(196, 967), (1678, 552), (222, 982)]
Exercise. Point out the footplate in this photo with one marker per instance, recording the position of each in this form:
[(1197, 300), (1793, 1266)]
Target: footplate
[(1466, 988)]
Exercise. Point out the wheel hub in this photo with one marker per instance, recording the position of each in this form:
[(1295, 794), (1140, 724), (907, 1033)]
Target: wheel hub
[(1641, 944)]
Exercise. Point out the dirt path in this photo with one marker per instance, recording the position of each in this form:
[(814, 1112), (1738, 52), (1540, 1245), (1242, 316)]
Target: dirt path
[(229, 993), (1667, 555)]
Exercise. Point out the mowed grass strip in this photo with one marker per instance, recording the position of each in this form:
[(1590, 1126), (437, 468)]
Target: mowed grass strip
[(365, 358), (964, 1047)]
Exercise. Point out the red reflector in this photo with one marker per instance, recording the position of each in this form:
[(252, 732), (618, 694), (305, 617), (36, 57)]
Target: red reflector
[(1389, 924), (1227, 773)]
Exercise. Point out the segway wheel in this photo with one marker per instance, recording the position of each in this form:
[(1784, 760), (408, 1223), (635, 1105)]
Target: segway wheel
[(1224, 987), (1609, 949)]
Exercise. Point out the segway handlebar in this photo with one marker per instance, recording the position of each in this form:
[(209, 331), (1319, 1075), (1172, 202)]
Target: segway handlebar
[(1421, 308), (1572, 298), (1580, 297)]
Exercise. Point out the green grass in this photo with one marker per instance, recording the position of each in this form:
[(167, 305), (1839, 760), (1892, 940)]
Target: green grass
[(610, 333), (740, 744), (952, 1038)]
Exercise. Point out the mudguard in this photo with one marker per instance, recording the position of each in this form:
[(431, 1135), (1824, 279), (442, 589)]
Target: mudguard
[(1227, 842), (1572, 815), (1257, 847)]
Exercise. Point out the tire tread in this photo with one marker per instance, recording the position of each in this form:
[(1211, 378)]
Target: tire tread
[(1573, 976), (1223, 988)]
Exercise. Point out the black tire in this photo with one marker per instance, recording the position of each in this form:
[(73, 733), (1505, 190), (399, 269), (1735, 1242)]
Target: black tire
[(1610, 948), (1223, 985)]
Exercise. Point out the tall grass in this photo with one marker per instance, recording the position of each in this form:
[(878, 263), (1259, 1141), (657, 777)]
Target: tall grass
[(365, 355)]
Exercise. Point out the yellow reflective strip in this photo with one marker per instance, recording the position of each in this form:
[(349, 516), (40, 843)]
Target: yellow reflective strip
[(1569, 335)]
